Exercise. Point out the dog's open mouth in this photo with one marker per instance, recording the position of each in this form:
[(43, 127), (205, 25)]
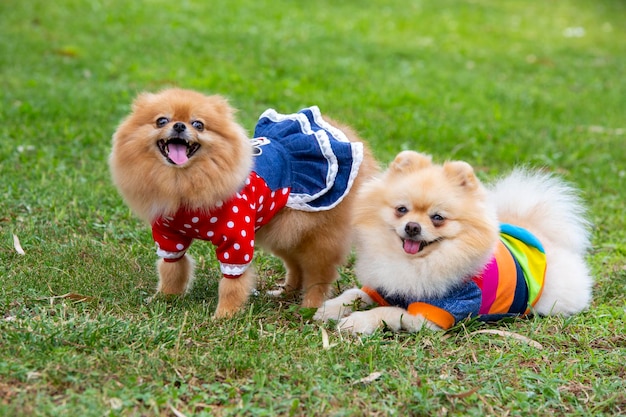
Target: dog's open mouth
[(415, 246), (177, 151)]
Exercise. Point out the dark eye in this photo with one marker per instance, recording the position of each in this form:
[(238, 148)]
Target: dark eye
[(162, 121), (198, 125), (437, 219), (401, 211)]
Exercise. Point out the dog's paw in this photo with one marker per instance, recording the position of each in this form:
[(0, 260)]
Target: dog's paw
[(331, 310), (360, 322), (224, 313), (283, 292), (276, 293), (159, 296)]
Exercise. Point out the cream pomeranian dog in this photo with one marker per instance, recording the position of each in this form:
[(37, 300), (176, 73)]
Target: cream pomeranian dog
[(185, 166), (435, 247)]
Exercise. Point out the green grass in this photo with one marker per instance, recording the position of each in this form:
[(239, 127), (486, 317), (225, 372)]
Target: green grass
[(494, 83)]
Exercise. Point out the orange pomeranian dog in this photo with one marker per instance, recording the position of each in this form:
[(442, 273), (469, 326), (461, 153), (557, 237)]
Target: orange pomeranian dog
[(434, 246), (184, 165)]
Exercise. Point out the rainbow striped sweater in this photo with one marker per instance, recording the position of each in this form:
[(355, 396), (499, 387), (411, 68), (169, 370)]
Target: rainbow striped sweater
[(509, 285)]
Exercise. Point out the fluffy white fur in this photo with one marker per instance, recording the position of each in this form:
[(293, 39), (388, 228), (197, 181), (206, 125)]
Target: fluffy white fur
[(539, 202), (553, 211)]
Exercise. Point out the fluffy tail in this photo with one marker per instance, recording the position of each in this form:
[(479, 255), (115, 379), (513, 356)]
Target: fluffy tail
[(545, 205)]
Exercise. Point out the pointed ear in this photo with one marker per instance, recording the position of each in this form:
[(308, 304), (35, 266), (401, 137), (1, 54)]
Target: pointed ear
[(462, 174), (410, 161)]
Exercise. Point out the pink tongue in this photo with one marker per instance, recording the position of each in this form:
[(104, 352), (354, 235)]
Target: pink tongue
[(177, 153), (411, 246)]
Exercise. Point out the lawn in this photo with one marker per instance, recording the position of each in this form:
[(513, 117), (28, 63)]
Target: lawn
[(494, 83)]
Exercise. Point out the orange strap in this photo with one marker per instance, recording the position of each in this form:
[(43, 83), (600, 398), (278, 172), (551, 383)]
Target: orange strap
[(437, 315), (378, 299)]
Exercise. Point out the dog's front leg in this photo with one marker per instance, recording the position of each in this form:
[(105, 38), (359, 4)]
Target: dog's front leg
[(396, 318), (175, 277), (342, 305), (233, 294)]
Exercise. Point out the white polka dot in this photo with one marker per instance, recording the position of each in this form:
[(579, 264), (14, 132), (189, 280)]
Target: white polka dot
[(245, 197), (197, 230), (273, 194), (213, 220), (194, 220), (259, 220), (247, 181), (252, 243), (219, 204), (260, 199), (166, 224), (187, 226), (247, 219), (243, 233), (226, 255), (230, 224), (210, 233), (260, 208), (236, 246), (252, 206), (272, 206), (253, 189), (235, 209), (180, 246), (285, 191), (246, 258), (238, 195)]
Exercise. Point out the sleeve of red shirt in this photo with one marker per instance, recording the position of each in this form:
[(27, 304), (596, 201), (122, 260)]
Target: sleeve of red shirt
[(170, 246)]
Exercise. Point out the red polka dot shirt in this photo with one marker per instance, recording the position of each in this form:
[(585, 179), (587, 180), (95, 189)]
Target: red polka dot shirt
[(230, 226)]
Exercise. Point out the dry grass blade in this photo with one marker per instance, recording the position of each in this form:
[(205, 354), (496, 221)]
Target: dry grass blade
[(463, 394), (370, 378), (325, 340), (176, 412), (71, 296), (17, 245), (511, 335)]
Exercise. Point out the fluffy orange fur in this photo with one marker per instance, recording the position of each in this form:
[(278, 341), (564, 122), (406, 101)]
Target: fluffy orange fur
[(311, 245), (153, 188)]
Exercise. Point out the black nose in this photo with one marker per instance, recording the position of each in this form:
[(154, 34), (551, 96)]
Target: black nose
[(413, 229), (179, 127)]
